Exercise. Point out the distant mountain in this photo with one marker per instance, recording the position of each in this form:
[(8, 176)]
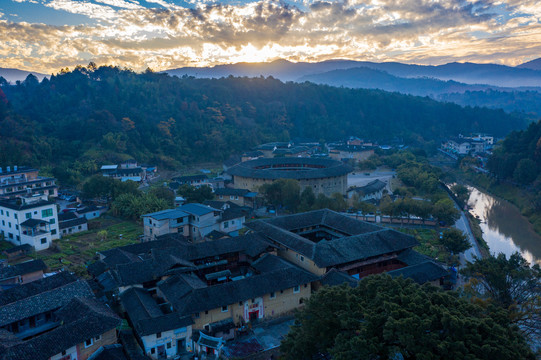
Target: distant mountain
[(12, 75), (532, 65), (363, 77), (468, 73)]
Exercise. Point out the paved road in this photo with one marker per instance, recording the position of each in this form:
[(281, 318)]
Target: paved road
[(464, 225)]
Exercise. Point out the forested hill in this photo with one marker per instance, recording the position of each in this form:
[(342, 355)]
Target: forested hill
[(519, 157), (106, 114)]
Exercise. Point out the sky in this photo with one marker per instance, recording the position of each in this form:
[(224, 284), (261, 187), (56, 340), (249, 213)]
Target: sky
[(48, 35)]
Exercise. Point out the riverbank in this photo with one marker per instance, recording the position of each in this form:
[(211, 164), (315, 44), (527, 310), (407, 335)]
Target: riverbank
[(521, 198)]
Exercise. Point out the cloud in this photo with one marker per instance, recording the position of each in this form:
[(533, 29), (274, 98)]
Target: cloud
[(167, 35)]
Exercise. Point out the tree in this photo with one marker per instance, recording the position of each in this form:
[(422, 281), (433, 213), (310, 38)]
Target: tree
[(395, 318), (197, 195), (513, 285), (445, 211), (307, 199), (165, 194), (462, 194), (455, 241), (284, 192)]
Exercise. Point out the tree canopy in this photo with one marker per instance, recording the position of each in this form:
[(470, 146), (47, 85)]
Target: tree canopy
[(107, 114), (394, 318)]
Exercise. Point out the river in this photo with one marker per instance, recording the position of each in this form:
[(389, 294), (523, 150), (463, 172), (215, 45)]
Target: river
[(504, 229)]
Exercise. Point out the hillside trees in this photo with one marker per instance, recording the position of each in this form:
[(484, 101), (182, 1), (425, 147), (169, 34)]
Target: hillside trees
[(394, 318), (109, 114)]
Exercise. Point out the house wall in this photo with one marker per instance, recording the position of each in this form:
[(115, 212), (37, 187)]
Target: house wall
[(36, 275), (326, 186), (71, 354), (232, 225), (107, 338), (10, 225), (172, 336), (357, 155), (283, 302), (74, 229), (301, 261)]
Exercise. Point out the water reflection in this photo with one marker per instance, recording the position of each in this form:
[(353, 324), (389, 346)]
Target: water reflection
[(504, 228)]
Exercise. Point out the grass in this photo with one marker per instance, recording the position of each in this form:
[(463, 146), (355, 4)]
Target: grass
[(429, 243), (75, 252), (3, 246)]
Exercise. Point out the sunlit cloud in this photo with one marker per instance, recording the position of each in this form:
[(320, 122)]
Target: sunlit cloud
[(166, 35)]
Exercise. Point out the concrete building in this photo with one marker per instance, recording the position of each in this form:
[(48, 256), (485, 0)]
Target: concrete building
[(194, 221), (324, 176), (23, 180), (30, 219)]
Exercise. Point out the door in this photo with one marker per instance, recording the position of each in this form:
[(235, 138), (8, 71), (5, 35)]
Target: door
[(161, 352), (181, 346), (254, 315)]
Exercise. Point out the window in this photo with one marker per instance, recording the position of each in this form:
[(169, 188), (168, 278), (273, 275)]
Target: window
[(53, 232), (1, 212), (273, 295), (46, 213), (52, 221), (224, 308), (16, 217), (240, 303), (43, 240), (9, 224), (221, 197), (302, 258), (64, 353), (152, 350), (89, 343), (7, 213), (231, 197), (16, 227), (10, 235), (4, 222), (206, 312), (196, 315), (226, 224), (158, 335), (28, 215), (296, 289), (79, 227), (97, 338), (236, 197), (169, 345)]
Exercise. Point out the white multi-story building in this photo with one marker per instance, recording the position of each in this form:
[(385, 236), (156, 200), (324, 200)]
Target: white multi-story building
[(19, 181), (30, 219)]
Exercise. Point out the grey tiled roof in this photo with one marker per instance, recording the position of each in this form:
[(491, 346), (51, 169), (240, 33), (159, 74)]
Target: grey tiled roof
[(360, 240), (146, 316), (36, 287), (43, 302), (371, 187), (231, 192), (22, 268), (80, 319), (188, 302), (335, 277), (421, 273), (308, 168), (73, 222)]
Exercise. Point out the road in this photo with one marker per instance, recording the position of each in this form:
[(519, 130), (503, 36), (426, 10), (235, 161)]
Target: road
[(468, 255)]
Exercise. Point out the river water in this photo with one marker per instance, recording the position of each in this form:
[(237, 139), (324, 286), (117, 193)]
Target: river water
[(504, 229)]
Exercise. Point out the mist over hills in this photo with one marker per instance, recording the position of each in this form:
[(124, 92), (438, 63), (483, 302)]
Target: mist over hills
[(468, 73), (13, 75)]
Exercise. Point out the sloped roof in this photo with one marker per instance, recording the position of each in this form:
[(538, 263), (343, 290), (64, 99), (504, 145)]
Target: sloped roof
[(335, 277), (197, 209), (290, 168), (22, 268), (73, 222), (81, 319), (360, 239), (43, 302), (213, 297), (167, 214), (36, 287), (370, 188), (231, 192), (421, 273), (146, 315)]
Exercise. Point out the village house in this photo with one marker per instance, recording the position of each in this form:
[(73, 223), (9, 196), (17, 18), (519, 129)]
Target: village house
[(54, 318), (351, 152), (464, 145), (23, 180), (241, 197), (128, 170), (321, 240), (70, 223), (192, 220), (90, 211), (161, 335), (29, 219), (372, 191), (192, 180), (21, 273)]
